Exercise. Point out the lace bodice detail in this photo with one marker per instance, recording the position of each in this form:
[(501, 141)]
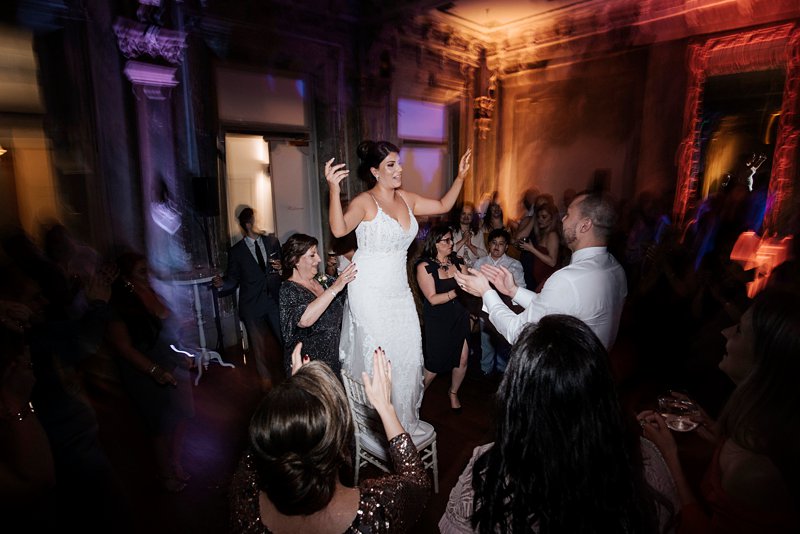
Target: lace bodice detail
[(380, 312), (383, 234)]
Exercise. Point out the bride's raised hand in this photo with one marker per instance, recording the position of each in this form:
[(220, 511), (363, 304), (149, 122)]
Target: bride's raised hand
[(463, 165), (334, 174)]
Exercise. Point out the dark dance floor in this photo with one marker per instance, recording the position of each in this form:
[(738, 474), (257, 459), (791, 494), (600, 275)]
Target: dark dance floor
[(224, 400)]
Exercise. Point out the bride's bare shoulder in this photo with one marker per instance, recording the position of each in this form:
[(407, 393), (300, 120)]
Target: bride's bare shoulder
[(365, 203)]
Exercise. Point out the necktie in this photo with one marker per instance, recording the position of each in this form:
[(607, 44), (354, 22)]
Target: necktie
[(260, 258)]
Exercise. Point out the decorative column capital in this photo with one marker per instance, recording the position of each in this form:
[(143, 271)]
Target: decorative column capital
[(136, 39), (155, 81)]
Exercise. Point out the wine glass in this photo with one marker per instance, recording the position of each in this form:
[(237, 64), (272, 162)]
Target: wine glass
[(275, 262), (679, 414)]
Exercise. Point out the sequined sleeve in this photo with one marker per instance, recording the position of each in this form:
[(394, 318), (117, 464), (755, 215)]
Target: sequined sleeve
[(393, 503), (293, 303), (457, 518), (244, 491)]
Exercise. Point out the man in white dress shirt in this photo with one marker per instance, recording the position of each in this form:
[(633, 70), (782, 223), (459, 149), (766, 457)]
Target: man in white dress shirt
[(493, 347), (592, 287)]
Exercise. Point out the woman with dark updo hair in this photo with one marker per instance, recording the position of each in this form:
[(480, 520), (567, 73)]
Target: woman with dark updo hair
[(290, 478), (380, 308)]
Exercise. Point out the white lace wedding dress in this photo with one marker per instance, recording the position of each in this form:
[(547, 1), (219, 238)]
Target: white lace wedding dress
[(380, 312)]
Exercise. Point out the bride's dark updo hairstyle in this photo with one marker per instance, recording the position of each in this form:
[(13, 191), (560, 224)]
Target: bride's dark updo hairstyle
[(371, 154)]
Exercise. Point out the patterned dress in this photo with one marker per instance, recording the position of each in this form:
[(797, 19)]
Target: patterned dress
[(321, 339), (388, 504)]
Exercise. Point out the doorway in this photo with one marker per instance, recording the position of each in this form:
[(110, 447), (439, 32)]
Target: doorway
[(273, 175)]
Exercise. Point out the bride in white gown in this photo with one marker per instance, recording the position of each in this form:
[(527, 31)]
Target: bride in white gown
[(380, 310)]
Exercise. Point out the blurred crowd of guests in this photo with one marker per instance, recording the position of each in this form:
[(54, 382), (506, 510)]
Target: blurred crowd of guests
[(63, 302), (61, 305)]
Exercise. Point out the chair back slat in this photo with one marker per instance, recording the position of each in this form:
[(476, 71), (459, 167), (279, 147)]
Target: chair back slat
[(364, 415), (368, 423)]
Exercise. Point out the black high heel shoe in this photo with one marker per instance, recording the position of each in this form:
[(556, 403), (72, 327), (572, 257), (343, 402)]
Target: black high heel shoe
[(455, 409)]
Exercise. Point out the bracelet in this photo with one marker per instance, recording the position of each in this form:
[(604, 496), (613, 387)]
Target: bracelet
[(334, 292), (24, 412), (152, 370)]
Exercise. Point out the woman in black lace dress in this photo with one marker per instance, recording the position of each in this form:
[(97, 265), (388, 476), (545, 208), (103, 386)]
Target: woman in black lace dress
[(445, 319), (311, 303)]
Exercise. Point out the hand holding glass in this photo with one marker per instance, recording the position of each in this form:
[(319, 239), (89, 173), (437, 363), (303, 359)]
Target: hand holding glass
[(679, 414), (275, 262)]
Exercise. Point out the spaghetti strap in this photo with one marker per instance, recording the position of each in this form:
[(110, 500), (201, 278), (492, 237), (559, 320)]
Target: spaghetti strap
[(375, 200), (406, 203)]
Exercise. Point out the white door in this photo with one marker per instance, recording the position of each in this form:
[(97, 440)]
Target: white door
[(295, 190), (247, 182)]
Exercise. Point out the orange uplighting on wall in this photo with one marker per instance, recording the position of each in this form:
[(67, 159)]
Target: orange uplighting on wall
[(772, 118), (761, 254)]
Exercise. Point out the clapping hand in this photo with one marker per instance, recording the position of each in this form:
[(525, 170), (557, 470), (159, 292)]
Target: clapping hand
[(502, 279), (334, 174), (474, 283), (464, 164)]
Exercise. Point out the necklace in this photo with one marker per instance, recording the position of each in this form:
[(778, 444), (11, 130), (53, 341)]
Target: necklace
[(443, 265)]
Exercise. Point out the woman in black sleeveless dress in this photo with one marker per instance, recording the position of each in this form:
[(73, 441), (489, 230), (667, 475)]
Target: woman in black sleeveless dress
[(445, 319)]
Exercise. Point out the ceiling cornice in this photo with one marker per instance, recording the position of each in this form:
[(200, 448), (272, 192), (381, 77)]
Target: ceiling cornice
[(585, 29)]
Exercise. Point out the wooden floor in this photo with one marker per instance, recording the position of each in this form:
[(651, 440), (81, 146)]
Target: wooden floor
[(224, 401)]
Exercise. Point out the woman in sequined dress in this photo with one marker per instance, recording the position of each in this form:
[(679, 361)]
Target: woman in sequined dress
[(289, 479), (311, 304), (380, 309)]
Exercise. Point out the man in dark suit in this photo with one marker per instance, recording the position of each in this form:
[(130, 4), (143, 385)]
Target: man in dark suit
[(254, 266)]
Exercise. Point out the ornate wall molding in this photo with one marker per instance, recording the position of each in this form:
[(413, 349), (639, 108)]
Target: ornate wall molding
[(136, 39), (152, 81), (688, 151), (784, 167), (765, 48), (587, 29)]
